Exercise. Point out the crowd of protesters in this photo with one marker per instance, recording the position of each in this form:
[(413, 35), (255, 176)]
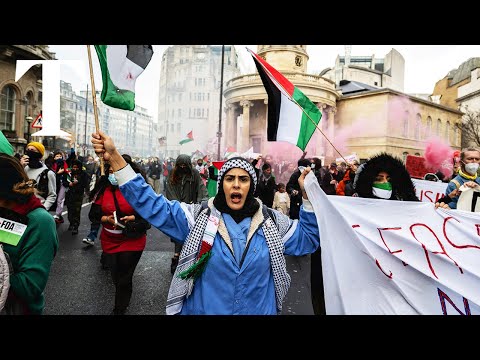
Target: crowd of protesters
[(66, 179)]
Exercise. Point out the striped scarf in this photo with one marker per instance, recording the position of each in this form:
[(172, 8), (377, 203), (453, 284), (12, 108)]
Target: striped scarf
[(199, 243)]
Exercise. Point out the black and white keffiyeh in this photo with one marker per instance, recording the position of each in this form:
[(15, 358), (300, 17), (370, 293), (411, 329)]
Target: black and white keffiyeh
[(237, 162), (277, 229)]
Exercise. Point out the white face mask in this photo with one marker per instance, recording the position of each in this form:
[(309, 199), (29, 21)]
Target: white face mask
[(381, 193), (471, 168)]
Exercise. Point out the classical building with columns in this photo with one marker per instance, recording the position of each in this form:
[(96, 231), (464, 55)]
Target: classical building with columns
[(363, 123), (247, 102)]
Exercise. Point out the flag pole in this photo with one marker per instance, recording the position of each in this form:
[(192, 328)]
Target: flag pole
[(313, 122), (94, 97)]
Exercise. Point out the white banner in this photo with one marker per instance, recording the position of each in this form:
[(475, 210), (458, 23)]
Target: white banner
[(396, 257), (350, 158), (429, 191)]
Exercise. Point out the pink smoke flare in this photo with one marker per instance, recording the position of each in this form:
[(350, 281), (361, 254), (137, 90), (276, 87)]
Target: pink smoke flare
[(438, 156)]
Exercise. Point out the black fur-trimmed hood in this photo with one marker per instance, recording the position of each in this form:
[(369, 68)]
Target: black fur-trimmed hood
[(402, 184)]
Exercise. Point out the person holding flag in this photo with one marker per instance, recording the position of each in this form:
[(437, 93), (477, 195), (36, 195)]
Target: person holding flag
[(232, 261)]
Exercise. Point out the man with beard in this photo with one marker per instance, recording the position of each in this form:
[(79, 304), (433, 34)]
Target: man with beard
[(34, 168), (185, 185), (467, 174)]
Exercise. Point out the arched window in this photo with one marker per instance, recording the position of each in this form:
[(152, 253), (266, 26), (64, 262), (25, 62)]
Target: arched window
[(418, 123), (455, 136), (417, 154), (439, 127), (428, 128), (405, 156), (7, 108), (405, 124), (447, 131)]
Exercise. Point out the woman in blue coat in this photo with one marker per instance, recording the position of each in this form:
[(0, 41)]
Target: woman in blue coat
[(232, 261)]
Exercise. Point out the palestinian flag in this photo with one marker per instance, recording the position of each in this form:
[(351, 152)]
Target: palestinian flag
[(5, 146), (292, 117), (187, 139), (121, 66), (230, 152)]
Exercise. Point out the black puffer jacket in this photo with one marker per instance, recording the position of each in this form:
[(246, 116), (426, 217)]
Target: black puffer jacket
[(402, 185)]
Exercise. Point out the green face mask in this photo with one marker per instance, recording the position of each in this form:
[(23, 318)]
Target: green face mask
[(384, 186)]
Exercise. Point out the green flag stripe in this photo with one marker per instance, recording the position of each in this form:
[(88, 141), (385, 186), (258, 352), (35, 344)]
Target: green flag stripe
[(111, 94), (307, 127)]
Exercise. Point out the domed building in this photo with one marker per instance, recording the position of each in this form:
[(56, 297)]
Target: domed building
[(247, 103), (359, 120), (20, 101)]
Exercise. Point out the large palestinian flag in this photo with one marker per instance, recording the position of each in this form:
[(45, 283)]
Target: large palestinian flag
[(292, 117), (121, 65)]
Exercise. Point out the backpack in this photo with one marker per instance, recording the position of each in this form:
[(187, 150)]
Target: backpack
[(42, 183)]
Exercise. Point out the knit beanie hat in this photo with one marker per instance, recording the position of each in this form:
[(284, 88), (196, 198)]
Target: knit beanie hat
[(237, 162), (38, 146)]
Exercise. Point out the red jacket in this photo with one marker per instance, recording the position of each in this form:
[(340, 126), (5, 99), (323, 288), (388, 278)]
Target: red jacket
[(113, 242)]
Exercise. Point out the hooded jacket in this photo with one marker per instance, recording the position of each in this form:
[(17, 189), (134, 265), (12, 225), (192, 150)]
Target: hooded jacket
[(402, 185)]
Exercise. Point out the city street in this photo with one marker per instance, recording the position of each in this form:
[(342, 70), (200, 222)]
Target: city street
[(78, 285)]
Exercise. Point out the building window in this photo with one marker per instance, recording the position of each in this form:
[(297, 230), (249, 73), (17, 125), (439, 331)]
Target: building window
[(447, 131), (179, 127), (405, 156), (417, 154), (455, 136), (405, 125), (439, 127), (428, 129), (7, 108), (418, 123)]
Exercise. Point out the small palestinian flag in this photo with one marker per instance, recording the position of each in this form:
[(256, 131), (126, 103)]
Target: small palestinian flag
[(187, 139), (121, 66)]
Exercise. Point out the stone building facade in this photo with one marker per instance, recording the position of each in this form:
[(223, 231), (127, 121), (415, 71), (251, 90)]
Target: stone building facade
[(364, 123), (246, 102), (22, 99)]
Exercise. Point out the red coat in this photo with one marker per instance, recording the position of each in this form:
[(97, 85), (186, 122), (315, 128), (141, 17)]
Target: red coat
[(113, 242)]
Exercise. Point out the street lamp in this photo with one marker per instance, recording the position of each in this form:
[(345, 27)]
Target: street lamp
[(29, 120)]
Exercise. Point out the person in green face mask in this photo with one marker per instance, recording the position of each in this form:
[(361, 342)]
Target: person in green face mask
[(385, 177)]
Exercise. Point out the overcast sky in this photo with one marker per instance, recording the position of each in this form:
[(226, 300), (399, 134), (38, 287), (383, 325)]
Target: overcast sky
[(424, 65)]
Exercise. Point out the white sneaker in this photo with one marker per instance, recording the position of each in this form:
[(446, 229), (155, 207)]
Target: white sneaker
[(88, 241)]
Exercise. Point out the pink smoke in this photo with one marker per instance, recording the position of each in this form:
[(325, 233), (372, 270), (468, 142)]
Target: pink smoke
[(438, 156)]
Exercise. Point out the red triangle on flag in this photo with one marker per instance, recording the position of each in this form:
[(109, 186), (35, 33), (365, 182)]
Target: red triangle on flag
[(218, 164)]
